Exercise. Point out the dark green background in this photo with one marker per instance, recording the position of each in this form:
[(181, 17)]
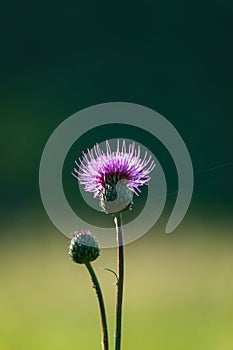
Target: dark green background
[(172, 56)]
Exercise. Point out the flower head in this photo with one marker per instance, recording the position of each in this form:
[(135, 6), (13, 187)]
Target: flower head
[(100, 172), (83, 247)]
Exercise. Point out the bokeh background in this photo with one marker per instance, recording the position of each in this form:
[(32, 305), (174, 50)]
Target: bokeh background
[(173, 56)]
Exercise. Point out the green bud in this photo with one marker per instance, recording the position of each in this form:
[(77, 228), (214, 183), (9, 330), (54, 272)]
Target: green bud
[(83, 247)]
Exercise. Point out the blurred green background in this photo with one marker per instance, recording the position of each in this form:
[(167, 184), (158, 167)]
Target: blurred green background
[(175, 57)]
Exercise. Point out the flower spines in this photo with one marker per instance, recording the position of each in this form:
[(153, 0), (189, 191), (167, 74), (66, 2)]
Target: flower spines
[(98, 171)]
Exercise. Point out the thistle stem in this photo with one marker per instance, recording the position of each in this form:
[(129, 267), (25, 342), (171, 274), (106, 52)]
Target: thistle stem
[(96, 285), (120, 283)]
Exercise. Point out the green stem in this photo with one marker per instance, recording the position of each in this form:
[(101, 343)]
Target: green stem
[(120, 283), (96, 285)]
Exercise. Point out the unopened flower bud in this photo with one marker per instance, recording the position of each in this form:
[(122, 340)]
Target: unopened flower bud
[(83, 247)]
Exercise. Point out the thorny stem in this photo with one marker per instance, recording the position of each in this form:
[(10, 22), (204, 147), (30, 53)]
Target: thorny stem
[(96, 285), (120, 283)]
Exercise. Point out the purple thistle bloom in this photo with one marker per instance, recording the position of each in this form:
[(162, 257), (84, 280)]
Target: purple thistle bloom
[(100, 171)]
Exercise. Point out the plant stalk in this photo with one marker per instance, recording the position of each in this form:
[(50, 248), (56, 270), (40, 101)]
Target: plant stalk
[(96, 286), (120, 283)]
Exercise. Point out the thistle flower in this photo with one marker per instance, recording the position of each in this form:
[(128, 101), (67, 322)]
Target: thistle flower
[(83, 247), (114, 176)]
